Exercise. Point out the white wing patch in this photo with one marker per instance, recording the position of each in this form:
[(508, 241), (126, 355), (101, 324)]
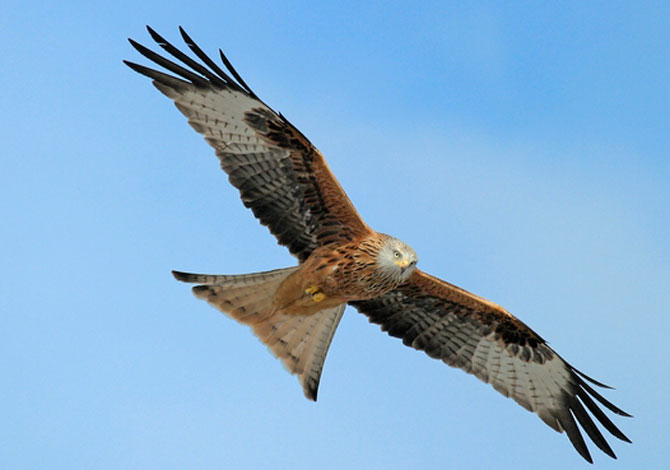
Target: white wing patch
[(218, 114), (534, 385)]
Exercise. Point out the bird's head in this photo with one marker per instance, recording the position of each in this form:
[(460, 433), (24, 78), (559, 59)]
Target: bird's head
[(397, 259)]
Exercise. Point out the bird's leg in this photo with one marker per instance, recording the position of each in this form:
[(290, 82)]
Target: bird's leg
[(317, 295)]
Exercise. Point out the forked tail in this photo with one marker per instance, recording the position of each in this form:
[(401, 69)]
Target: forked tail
[(300, 341)]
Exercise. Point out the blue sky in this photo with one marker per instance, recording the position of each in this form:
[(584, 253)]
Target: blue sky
[(521, 149)]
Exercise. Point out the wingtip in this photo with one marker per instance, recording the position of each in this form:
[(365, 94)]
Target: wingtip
[(129, 63), (136, 67), (187, 39), (180, 276), (592, 380), (625, 415), (585, 453), (154, 35), (133, 42), (145, 51)]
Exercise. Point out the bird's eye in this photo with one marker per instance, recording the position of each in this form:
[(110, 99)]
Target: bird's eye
[(396, 254)]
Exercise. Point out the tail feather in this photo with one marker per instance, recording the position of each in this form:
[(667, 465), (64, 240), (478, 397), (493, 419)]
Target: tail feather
[(246, 297), (312, 363), (300, 342), (240, 280)]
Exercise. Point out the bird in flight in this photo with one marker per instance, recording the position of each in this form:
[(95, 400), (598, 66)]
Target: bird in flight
[(287, 184)]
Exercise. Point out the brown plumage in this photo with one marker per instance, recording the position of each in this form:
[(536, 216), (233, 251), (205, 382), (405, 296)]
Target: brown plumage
[(287, 184)]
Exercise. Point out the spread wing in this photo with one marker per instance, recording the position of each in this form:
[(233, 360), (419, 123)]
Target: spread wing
[(281, 176), (483, 339)]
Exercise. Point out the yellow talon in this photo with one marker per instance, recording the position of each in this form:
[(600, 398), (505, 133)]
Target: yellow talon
[(318, 297), (311, 290)]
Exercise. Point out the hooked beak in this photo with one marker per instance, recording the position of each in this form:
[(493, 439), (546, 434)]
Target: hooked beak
[(403, 264)]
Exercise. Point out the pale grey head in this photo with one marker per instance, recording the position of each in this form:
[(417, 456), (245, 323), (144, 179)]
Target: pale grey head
[(396, 260)]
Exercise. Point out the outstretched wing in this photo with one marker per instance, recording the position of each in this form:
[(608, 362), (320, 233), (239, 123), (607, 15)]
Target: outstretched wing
[(281, 176), (483, 339)]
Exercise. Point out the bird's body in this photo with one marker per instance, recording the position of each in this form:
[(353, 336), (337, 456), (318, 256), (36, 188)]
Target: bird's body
[(353, 271), (333, 275), (295, 311)]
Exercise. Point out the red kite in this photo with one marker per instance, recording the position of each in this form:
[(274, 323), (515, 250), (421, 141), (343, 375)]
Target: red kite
[(287, 184)]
